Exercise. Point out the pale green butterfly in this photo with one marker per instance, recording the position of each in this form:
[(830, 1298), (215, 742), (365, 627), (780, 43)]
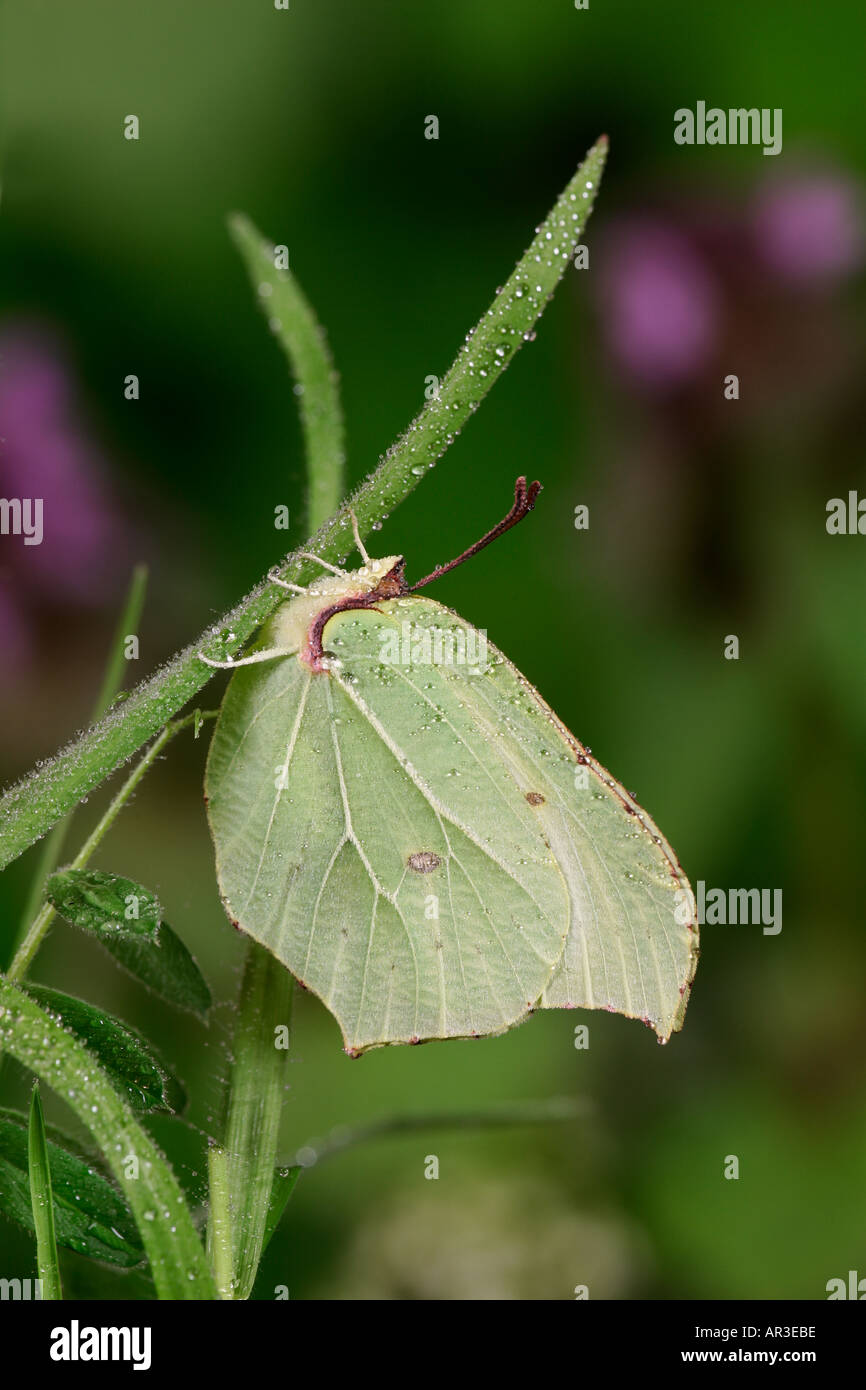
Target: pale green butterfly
[(401, 819)]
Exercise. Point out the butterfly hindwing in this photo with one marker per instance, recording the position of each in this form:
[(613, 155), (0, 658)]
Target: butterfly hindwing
[(632, 941)]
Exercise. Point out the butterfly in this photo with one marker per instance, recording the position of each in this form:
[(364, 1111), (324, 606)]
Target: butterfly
[(404, 823)]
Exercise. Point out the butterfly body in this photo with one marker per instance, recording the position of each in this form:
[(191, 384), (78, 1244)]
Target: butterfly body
[(292, 627)]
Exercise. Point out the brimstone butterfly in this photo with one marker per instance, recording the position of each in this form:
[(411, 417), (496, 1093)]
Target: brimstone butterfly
[(404, 823)]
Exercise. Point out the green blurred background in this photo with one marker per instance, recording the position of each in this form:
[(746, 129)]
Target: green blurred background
[(707, 518)]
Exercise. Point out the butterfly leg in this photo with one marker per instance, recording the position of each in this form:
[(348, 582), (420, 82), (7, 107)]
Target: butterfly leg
[(267, 654), (359, 544), (284, 583), (335, 569)]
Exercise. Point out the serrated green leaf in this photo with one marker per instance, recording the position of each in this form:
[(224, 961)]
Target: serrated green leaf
[(127, 919), (90, 1217), (126, 1056)]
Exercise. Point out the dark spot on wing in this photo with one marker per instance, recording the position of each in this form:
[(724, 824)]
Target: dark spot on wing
[(424, 861), (535, 798)]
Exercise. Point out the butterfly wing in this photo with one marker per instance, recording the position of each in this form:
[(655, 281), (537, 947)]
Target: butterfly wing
[(414, 907), (631, 944)]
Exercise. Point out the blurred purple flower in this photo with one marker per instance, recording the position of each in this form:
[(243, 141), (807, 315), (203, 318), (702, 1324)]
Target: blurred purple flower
[(659, 303), (810, 228), (45, 453)]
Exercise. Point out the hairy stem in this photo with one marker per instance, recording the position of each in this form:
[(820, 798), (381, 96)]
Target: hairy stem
[(31, 807), (219, 1224), (111, 683), (555, 1110), (40, 924)]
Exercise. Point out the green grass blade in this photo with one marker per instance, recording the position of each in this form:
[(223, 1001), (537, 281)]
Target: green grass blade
[(90, 1216), (39, 1043), (258, 1085), (31, 807), (284, 1182), (127, 624), (303, 340), (43, 1201)]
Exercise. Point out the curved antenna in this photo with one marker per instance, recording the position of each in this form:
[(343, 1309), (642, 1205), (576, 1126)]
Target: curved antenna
[(524, 501)]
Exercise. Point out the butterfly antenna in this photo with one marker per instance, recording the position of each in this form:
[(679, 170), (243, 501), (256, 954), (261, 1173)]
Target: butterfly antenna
[(524, 501)]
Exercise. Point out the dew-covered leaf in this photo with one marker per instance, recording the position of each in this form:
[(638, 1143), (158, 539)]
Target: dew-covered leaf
[(164, 965), (126, 1056), (104, 903), (90, 1216), (42, 1045), (127, 919)]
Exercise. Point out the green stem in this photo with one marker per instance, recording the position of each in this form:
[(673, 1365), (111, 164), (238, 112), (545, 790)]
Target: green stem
[(555, 1110), (40, 924), (257, 1091), (111, 683), (30, 808), (219, 1226), (42, 1200)]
